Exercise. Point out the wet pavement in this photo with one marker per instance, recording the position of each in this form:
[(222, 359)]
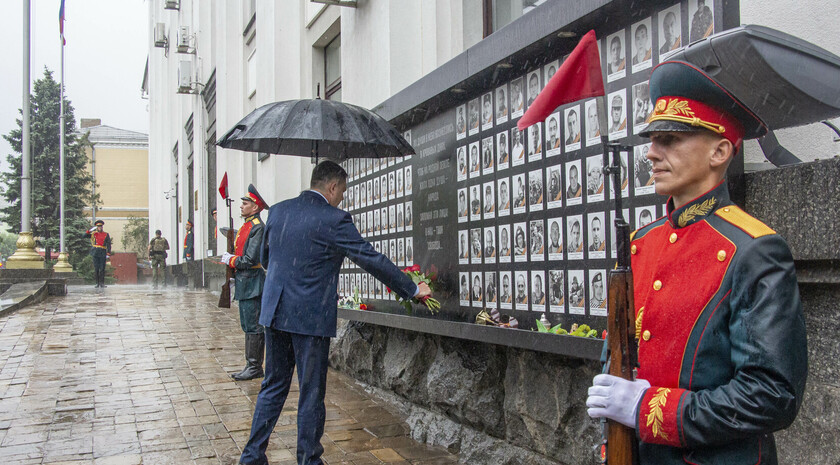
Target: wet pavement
[(130, 376)]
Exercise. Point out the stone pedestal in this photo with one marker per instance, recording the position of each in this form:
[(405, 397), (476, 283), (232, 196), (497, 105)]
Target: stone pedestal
[(25, 257)]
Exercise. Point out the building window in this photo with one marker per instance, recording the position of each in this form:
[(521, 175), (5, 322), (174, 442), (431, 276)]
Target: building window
[(332, 69), (504, 12), (252, 75)]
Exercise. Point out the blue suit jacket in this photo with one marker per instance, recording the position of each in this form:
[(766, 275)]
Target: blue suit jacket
[(304, 243)]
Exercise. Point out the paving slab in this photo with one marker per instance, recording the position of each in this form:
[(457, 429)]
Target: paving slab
[(134, 376)]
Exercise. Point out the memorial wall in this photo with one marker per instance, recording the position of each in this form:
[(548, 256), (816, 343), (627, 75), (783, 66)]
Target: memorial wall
[(522, 221)]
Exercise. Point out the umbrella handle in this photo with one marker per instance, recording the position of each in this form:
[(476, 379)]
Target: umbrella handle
[(238, 127)]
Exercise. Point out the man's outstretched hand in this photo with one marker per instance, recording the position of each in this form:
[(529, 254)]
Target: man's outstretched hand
[(424, 290)]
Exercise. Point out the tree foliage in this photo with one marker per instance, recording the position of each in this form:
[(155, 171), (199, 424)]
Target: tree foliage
[(78, 182), (135, 236)]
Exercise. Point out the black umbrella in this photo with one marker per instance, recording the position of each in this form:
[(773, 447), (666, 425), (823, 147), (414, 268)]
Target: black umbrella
[(315, 127)]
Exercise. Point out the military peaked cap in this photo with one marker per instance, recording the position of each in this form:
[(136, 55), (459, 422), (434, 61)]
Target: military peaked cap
[(255, 197)]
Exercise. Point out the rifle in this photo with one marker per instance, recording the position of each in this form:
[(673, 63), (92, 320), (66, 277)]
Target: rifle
[(224, 297), (622, 351)]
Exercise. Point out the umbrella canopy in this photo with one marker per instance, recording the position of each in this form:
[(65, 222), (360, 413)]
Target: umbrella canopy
[(315, 127)]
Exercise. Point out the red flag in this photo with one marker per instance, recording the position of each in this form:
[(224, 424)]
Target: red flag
[(578, 78), (61, 22), (223, 187)]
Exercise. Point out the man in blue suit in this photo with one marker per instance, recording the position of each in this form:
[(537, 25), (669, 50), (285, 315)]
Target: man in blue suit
[(305, 241)]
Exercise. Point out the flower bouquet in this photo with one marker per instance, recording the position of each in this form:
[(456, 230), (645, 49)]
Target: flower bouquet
[(354, 302), (418, 277)]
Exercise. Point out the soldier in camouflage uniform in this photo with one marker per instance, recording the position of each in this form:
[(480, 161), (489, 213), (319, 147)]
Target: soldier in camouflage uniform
[(157, 254)]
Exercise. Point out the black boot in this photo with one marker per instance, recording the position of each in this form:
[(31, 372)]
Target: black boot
[(254, 351), (96, 276)]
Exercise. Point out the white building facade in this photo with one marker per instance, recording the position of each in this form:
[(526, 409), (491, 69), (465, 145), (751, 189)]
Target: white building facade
[(230, 57)]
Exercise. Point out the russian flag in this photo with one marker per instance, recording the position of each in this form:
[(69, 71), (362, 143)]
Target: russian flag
[(61, 23)]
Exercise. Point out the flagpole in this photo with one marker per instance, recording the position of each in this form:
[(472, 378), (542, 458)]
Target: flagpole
[(25, 257), (62, 266)]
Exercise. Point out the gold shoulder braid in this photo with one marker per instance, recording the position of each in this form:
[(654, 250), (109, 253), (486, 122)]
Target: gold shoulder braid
[(655, 417), (693, 211)]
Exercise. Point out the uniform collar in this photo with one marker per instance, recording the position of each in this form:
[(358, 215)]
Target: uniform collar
[(699, 208), (250, 218)]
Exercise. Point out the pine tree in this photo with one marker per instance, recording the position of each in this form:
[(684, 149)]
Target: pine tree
[(78, 182)]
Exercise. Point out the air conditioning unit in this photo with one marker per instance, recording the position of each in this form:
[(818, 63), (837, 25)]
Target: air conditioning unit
[(160, 35), (172, 5), (184, 39), (185, 77)]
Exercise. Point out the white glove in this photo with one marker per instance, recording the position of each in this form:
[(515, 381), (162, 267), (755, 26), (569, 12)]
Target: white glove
[(92, 229), (226, 258), (232, 283), (615, 398)]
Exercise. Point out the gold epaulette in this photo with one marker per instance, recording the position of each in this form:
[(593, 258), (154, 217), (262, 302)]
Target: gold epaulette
[(744, 221), (255, 221)]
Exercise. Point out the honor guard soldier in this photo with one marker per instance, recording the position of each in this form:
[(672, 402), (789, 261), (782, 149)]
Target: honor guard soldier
[(100, 250), (249, 279), (189, 241), (721, 335)]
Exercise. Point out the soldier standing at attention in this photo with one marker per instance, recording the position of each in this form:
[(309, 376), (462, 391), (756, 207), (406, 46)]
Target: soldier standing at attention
[(189, 240), (157, 254), (250, 278), (722, 348), (100, 250)]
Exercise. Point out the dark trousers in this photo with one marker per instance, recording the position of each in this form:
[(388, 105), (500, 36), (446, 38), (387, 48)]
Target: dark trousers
[(282, 352), (99, 257), (249, 315)]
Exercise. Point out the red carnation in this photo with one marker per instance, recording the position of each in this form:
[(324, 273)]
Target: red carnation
[(415, 267), (363, 307)]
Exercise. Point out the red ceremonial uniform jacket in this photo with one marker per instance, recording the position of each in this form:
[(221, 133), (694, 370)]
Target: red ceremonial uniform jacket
[(721, 335), (250, 277)]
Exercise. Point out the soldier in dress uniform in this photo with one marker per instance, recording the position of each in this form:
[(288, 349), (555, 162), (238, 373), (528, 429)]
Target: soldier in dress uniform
[(189, 241), (250, 278), (722, 348), (100, 250)]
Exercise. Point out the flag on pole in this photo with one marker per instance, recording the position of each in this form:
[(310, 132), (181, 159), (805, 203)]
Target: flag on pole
[(61, 23), (223, 187), (578, 78)]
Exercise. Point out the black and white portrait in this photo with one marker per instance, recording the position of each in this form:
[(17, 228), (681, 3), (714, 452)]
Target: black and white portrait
[(645, 216), (400, 218), (488, 160), (572, 115), (555, 238), (597, 293), (554, 176), (642, 106), (408, 180), (477, 292), (504, 244), (503, 205), (626, 215), (475, 161), (702, 19), (577, 292), (489, 200), (506, 292), (520, 242), (534, 87), (574, 237), (463, 209), (491, 290), (463, 247), (464, 294), (550, 69), (593, 125), (517, 98), (476, 247), (535, 148), (502, 151), (553, 138), (556, 291), (400, 183), (536, 191), (520, 198), (642, 170), (475, 203), (670, 31), (392, 219), (392, 186), (461, 122), (490, 250), (409, 218), (521, 294), (642, 52), (617, 114), (462, 163), (616, 60), (574, 188), (502, 107), (538, 298), (597, 235), (594, 179), (474, 116), (409, 250), (517, 151), (537, 241), (487, 111)]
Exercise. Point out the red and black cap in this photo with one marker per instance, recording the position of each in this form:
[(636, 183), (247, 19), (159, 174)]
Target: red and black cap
[(688, 99), (99, 223), (255, 197)]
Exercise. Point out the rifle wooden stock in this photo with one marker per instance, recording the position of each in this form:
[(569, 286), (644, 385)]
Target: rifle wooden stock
[(224, 297), (622, 448)]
